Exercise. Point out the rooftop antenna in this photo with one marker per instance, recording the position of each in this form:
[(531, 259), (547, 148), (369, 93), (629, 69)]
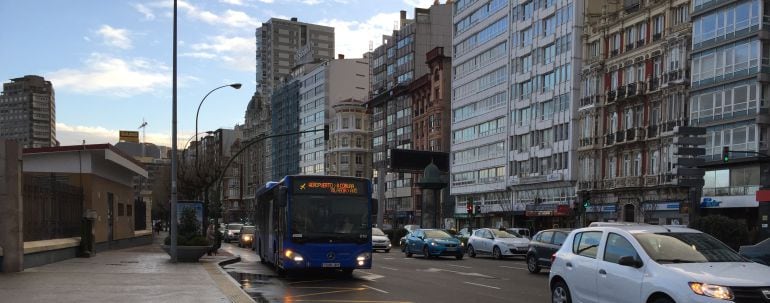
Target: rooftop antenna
[(143, 128)]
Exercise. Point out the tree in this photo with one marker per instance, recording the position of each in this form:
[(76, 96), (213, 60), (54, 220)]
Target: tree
[(732, 232), (161, 194)]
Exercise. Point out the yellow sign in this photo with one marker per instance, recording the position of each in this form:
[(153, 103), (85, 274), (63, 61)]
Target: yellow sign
[(129, 136)]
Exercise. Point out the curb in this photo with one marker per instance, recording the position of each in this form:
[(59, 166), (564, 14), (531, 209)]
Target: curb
[(231, 288)]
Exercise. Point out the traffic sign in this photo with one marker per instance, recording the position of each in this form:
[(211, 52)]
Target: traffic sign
[(689, 162), (689, 151)]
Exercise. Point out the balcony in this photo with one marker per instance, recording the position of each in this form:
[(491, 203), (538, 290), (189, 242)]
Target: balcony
[(656, 37), (614, 53), (588, 185), (631, 89), (608, 184), (588, 101), (611, 96), (629, 46), (650, 181), (678, 76), (609, 140), (588, 143), (652, 131), (654, 84), (640, 43), (620, 136), (621, 92), (631, 134)]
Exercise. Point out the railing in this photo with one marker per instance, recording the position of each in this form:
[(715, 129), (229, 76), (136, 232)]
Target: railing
[(621, 92), (609, 139), (654, 84), (608, 184), (620, 136), (629, 46), (614, 52), (651, 180), (652, 131), (631, 134), (640, 43), (590, 100), (631, 89), (611, 96), (731, 191), (656, 37)]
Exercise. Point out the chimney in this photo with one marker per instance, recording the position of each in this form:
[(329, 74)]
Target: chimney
[(294, 19), (340, 56)]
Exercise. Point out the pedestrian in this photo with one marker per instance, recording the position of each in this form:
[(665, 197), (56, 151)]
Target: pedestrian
[(157, 227), (211, 237)]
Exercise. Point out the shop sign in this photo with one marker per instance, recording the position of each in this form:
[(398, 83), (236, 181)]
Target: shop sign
[(729, 202), (606, 208), (547, 210)]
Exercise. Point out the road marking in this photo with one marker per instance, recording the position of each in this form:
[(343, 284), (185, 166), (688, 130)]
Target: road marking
[(461, 266), (371, 277), (511, 267), (475, 274), (325, 292), (309, 281), (351, 301), (385, 267), (377, 289), (482, 285), (388, 258)]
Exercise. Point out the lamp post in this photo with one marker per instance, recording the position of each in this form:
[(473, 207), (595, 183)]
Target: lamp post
[(235, 86), (173, 151)]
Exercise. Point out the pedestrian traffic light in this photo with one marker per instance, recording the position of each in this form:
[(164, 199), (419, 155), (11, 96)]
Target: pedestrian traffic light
[(725, 153), (478, 209), (586, 203), (469, 207)]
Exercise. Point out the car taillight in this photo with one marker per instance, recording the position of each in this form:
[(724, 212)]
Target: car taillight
[(553, 258)]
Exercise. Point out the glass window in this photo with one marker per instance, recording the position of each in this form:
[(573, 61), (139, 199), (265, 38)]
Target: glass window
[(546, 237), (686, 248), (617, 247), (559, 237), (587, 243)]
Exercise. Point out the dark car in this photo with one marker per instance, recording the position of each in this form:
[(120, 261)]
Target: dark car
[(542, 246), (759, 252)]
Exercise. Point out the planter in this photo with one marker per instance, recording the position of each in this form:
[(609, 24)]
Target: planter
[(187, 253)]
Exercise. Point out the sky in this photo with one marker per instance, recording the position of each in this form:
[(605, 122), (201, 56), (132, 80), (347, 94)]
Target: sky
[(110, 62)]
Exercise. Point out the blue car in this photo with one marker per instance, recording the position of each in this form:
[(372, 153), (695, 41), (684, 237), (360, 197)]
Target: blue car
[(433, 243)]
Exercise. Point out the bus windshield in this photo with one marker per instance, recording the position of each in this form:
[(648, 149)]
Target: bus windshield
[(316, 218)]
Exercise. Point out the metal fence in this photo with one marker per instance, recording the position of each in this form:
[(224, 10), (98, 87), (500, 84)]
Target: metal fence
[(52, 209)]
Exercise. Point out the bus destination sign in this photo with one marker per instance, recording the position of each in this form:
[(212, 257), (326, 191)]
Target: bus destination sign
[(329, 187)]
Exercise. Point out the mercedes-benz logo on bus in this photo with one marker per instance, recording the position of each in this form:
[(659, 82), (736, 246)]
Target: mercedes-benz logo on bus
[(330, 255)]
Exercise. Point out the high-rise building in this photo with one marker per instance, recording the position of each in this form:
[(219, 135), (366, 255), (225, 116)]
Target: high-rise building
[(515, 80), (633, 93), (394, 64), (727, 91), (285, 119), (28, 112), (323, 85), (255, 159)]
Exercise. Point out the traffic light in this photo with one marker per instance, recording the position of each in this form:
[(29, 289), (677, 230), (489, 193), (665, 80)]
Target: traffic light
[(725, 154), (478, 209), (586, 203), (469, 207)]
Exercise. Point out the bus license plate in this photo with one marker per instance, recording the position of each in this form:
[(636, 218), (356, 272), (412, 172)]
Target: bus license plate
[(330, 265)]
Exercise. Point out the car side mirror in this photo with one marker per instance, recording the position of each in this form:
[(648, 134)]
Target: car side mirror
[(630, 261)]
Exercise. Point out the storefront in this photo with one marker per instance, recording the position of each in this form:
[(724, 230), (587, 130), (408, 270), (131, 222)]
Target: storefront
[(601, 213), (545, 216), (663, 213), (743, 207)]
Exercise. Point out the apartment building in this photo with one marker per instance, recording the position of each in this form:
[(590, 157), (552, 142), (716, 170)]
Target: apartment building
[(349, 150), (633, 94), (394, 64), (727, 88), (28, 112)]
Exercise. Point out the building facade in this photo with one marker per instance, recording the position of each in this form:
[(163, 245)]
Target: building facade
[(255, 159), (633, 94), (28, 112), (323, 85), (349, 151), (284, 118), (395, 64), (727, 88)]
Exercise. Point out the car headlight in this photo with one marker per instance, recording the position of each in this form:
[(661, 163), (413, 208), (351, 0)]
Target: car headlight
[(433, 243), (247, 238), (462, 244), (714, 291)]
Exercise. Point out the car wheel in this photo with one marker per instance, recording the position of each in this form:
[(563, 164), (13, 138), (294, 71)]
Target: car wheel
[(471, 251), (663, 300), (407, 252), (459, 256), (425, 252), (496, 253), (560, 293), (532, 264), (387, 250)]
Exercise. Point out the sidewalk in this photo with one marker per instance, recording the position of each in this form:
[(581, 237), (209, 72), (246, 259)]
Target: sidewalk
[(139, 274)]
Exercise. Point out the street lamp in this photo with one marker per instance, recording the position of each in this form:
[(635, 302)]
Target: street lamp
[(235, 86), (184, 147)]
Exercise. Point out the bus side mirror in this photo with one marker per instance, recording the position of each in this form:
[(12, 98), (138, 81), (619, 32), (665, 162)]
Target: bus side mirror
[(282, 196), (375, 206)]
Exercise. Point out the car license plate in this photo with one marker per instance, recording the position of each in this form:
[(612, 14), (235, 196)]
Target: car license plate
[(451, 249), (330, 265)]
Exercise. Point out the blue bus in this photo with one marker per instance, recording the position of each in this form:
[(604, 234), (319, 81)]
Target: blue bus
[(315, 222)]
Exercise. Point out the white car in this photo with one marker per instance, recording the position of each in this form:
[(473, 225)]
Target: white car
[(380, 241), (497, 243), (643, 263)]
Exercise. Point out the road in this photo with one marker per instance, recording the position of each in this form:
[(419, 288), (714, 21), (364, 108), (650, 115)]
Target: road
[(395, 278)]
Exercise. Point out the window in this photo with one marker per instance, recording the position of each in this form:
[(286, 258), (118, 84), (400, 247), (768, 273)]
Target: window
[(681, 14), (359, 159), (121, 209), (546, 237), (617, 247), (657, 27), (359, 123), (559, 237), (344, 159), (586, 244), (359, 142)]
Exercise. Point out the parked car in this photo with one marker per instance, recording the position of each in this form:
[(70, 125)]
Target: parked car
[(380, 241), (433, 243), (409, 228), (542, 246), (524, 232), (246, 236), (759, 252), (233, 231), (496, 243), (651, 263)]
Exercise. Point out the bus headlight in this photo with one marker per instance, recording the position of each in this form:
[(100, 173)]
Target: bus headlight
[(293, 256), (361, 259)]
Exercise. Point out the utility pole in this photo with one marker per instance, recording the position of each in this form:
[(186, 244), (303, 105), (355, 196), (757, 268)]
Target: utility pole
[(173, 152)]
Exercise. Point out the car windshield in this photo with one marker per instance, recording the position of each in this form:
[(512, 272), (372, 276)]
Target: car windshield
[(317, 218), (686, 248), (505, 234), (437, 234), (234, 226), (377, 232), (248, 230)]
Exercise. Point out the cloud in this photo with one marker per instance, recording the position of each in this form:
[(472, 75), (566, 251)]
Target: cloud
[(233, 2), (104, 74), (199, 55), (266, 1), (419, 3), (230, 17), (75, 134), (312, 2), (144, 10), (117, 37), (352, 37), (237, 52)]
